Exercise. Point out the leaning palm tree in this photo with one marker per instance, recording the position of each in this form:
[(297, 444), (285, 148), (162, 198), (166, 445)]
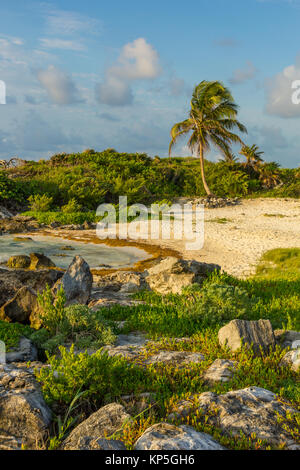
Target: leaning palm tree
[(211, 119)]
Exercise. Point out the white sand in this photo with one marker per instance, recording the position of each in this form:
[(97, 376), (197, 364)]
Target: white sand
[(238, 245)]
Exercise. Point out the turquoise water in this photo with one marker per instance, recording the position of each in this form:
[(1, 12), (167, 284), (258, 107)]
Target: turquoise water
[(97, 256)]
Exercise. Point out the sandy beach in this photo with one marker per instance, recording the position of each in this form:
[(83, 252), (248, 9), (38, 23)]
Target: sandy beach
[(248, 230), (252, 228)]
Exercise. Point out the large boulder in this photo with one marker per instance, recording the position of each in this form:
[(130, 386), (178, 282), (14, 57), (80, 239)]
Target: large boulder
[(164, 436), (24, 416), (18, 262), (12, 281), (102, 424), (171, 274), (77, 282), (40, 261), (252, 410), (23, 306), (258, 334)]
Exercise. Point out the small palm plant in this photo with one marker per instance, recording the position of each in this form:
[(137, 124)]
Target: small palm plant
[(212, 118), (269, 175), (253, 156)]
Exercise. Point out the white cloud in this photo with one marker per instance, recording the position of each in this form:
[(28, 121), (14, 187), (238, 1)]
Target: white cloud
[(138, 61), (55, 43), (243, 75), (62, 22), (279, 92), (58, 85)]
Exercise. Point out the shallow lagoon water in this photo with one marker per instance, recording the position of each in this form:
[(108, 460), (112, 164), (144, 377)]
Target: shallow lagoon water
[(98, 256)]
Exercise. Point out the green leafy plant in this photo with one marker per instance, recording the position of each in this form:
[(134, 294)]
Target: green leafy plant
[(40, 203)]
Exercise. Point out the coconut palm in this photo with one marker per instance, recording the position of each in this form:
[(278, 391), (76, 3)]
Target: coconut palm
[(212, 118), (252, 155), (269, 174)]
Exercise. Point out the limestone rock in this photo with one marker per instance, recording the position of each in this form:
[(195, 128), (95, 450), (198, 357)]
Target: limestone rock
[(77, 282), (40, 261), (23, 411), (292, 359), (171, 274), (21, 307), (18, 262), (10, 443), (164, 436), (257, 333), (286, 338), (221, 370), (178, 359), (104, 423), (251, 410), (87, 443), (25, 352), (4, 213)]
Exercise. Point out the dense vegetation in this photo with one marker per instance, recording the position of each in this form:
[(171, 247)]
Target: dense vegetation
[(77, 183)]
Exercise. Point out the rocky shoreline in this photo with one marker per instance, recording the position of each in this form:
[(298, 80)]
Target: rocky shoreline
[(25, 419)]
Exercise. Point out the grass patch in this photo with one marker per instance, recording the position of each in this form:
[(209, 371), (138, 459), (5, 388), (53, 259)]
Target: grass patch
[(220, 220), (281, 216), (281, 263)]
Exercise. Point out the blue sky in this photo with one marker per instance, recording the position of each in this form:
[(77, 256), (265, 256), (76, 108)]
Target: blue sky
[(118, 74)]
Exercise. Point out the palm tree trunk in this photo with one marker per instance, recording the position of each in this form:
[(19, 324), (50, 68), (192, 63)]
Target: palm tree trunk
[(208, 191)]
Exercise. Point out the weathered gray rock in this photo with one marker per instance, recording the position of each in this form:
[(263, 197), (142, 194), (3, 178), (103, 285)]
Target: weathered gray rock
[(251, 410), (18, 262), (22, 307), (87, 443), (177, 359), (292, 359), (4, 213), (259, 334), (171, 274), (25, 352), (77, 282), (24, 414), (164, 436), (286, 338), (40, 261), (102, 424), (221, 370), (10, 443)]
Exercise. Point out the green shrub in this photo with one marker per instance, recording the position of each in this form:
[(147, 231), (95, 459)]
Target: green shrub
[(40, 203), (10, 190), (74, 324), (62, 218), (98, 376), (72, 207), (10, 333)]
